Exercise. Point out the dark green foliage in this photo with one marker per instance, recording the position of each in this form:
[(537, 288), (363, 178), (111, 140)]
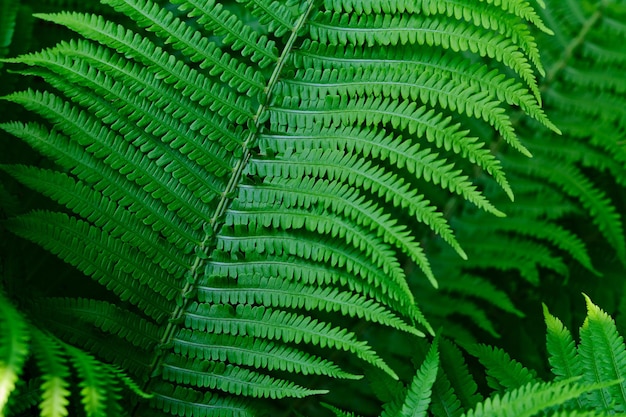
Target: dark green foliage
[(279, 200)]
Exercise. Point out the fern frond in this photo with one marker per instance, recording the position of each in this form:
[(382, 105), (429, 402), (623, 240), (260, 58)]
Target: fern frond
[(195, 46), (101, 211), (49, 356), (574, 183), (444, 400), (427, 86), (456, 371), (418, 396), (181, 401), (482, 289), (243, 207), (292, 268), (189, 82), (274, 292), (502, 371), (390, 187), (603, 357), (137, 121), (337, 197), (14, 340), (254, 352), (99, 383), (278, 325), (91, 250), (93, 388), (214, 18), (352, 140), (338, 412), (538, 229), (523, 255), (101, 141), (277, 16), (561, 348), (231, 379), (92, 170), (110, 319), (452, 67), (530, 399)]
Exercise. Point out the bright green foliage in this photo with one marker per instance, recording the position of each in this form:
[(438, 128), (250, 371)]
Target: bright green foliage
[(587, 381), (571, 189), (265, 192), (13, 349), (531, 399), (233, 173)]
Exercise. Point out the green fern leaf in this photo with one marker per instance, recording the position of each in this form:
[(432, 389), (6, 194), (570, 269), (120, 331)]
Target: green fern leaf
[(278, 325), (338, 412), (502, 371), (418, 396), (214, 18), (276, 293), (196, 47), (530, 399), (456, 371), (386, 30), (55, 375), (444, 400), (14, 339), (181, 401), (239, 204), (561, 348), (603, 357)]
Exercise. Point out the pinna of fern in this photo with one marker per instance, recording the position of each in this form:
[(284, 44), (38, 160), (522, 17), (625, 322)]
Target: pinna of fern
[(231, 183), (24, 347)]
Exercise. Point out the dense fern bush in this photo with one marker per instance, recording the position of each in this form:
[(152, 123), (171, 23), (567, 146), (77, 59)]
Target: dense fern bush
[(250, 182)]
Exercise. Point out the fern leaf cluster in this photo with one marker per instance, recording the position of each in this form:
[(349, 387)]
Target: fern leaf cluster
[(572, 184), (584, 382), (233, 180), (100, 384)]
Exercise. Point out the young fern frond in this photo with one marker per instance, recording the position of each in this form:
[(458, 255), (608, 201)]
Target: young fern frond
[(532, 398)]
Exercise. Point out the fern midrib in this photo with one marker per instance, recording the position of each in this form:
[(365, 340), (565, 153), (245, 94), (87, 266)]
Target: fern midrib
[(213, 225), (572, 46)]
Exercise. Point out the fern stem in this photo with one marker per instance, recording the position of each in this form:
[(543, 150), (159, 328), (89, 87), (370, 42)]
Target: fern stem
[(572, 46), (212, 227)]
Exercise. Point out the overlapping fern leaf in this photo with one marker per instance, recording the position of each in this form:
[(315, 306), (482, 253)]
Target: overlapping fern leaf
[(571, 189), (241, 177), (599, 358), (587, 380)]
